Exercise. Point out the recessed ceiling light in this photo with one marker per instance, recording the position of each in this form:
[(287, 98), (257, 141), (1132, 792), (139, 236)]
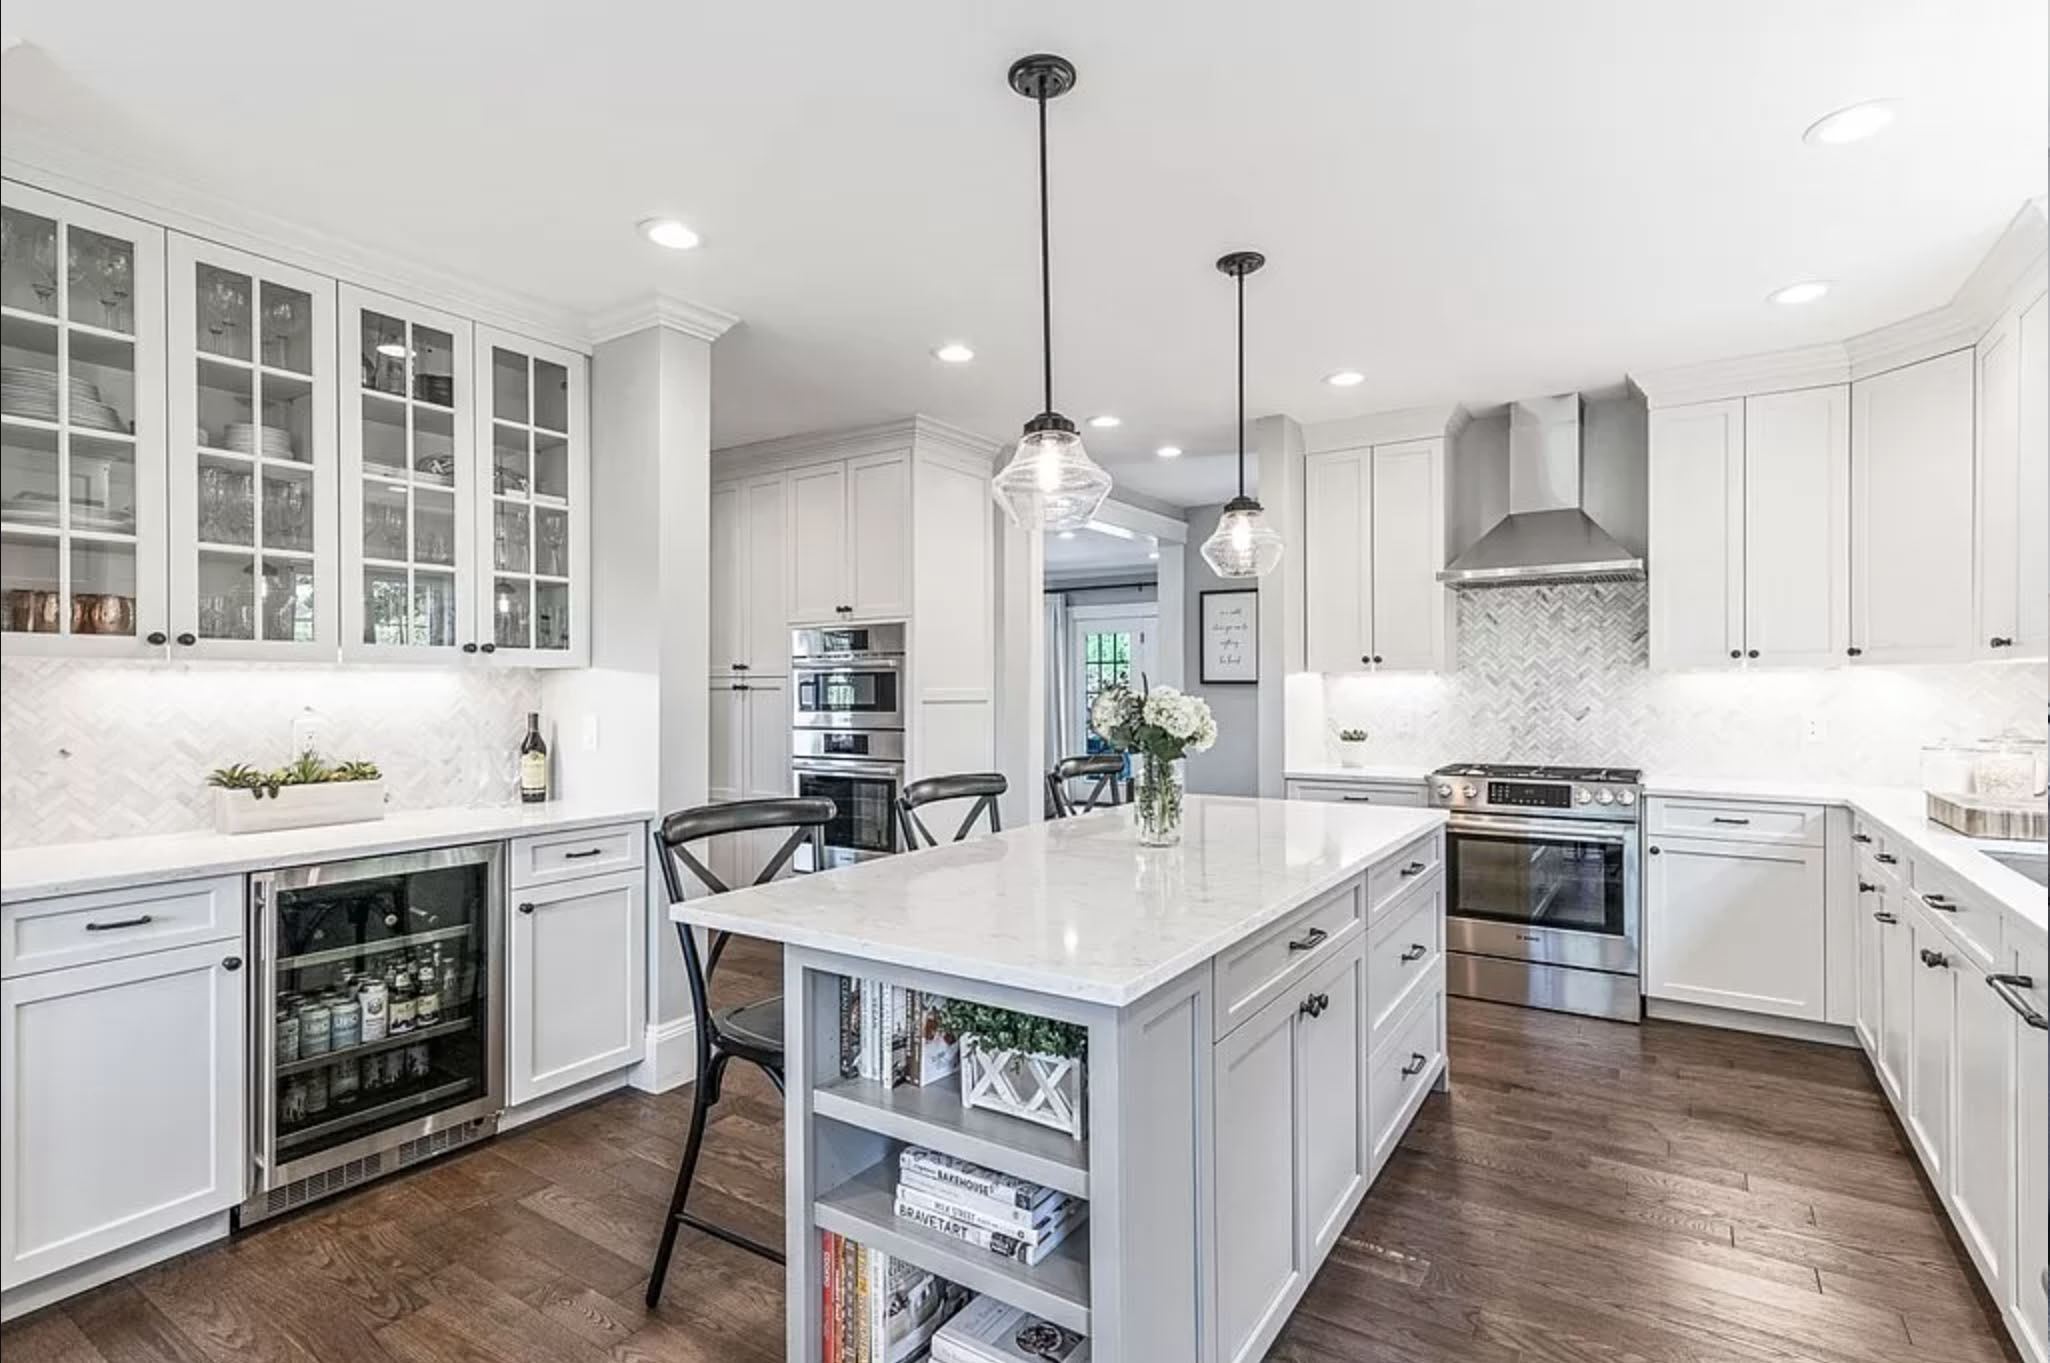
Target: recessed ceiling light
[(669, 232), (1067, 534), (1104, 422), (1852, 124), (1169, 451), (953, 352), (1345, 378), (1807, 291)]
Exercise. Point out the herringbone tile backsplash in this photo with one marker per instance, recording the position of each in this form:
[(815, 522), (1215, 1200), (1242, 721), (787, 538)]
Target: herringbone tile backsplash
[(109, 749), (1559, 674)]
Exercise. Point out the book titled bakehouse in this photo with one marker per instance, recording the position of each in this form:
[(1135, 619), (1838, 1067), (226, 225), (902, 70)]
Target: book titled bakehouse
[(932, 1167)]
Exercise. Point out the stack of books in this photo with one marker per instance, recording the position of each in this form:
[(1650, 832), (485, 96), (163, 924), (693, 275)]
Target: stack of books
[(1008, 1216), (879, 1309), (892, 1035), (987, 1331)]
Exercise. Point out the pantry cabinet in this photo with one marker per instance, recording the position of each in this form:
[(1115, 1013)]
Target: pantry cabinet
[(1912, 501), (83, 556), (750, 575), (2013, 512), (1733, 924), (849, 540), (1373, 542), (575, 1005)]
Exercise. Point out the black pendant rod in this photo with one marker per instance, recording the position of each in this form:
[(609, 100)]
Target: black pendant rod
[(1045, 267), (1242, 385)]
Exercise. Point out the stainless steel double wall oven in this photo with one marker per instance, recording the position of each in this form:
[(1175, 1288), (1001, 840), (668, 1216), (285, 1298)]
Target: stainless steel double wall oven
[(847, 734)]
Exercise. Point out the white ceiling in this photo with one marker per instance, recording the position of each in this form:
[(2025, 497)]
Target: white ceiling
[(1090, 549), (1467, 200)]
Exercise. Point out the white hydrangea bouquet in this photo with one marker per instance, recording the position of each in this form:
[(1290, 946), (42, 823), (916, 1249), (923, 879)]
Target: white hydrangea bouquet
[(1159, 726)]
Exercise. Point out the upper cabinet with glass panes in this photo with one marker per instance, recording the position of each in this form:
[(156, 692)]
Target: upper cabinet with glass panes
[(536, 526), (253, 456), (81, 428)]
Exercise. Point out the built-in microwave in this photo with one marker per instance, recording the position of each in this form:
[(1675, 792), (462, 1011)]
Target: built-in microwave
[(847, 677)]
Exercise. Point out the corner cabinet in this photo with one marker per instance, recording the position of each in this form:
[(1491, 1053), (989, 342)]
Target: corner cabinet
[(1373, 542)]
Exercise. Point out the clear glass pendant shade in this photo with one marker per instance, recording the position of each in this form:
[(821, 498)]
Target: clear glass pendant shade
[(1051, 482), (1244, 544)]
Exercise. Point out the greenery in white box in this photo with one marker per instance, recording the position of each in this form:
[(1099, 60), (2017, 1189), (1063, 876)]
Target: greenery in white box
[(1025, 1066)]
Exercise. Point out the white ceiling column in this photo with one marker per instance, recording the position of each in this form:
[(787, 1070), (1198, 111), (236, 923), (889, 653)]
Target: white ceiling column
[(1278, 445)]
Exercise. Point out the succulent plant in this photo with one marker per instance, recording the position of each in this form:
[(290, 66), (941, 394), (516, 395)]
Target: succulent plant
[(308, 769), (236, 776), (355, 771), (1352, 735)]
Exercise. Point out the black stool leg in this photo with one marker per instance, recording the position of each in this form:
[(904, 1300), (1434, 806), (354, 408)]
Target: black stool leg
[(706, 1094)]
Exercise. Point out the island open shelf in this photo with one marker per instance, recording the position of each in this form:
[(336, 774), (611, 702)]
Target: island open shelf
[(932, 1116)]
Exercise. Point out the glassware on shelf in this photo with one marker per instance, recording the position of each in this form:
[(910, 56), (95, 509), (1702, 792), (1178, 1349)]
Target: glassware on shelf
[(115, 270), (224, 310)]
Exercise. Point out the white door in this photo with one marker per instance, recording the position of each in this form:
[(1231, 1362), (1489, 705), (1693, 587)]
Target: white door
[(1897, 967), (1981, 1174), (82, 441), (254, 531), (2025, 1302), (1107, 646), (2014, 487), (764, 633), (816, 547), (1933, 1031), (1696, 550), (1797, 511), (535, 526), (121, 1103), (1408, 550), (1911, 512), (879, 537), (574, 1003), (1259, 1252), (766, 775), (1331, 1096), (1870, 935), (729, 565), (1337, 554), (409, 484), (1735, 925)]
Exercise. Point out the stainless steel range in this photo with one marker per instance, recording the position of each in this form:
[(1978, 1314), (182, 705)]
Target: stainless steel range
[(1542, 870)]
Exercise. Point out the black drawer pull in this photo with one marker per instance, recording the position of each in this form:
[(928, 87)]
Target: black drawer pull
[(1935, 960), (1861, 837), (2009, 988), (1415, 1066), (1357, 799), (1309, 941), (1718, 818), (1416, 952), (583, 855), (1867, 887), (1941, 903), (1884, 917), (1415, 868), (134, 922), (1885, 858)]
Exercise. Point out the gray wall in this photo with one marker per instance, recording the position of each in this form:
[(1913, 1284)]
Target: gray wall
[(1232, 767)]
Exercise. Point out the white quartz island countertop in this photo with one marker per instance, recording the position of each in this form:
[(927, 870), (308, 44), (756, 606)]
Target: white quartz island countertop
[(117, 863), (1075, 907)]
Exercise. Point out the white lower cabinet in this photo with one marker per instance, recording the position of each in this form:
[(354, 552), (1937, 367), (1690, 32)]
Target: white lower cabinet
[(1735, 925), (1897, 968), (2025, 1297), (1260, 1263), (88, 1048), (1331, 1086), (575, 1001), (1933, 1004), (1981, 1176), (1869, 935)]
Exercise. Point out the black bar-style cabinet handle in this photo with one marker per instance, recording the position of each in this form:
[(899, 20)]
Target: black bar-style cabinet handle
[(134, 922), (1309, 941)]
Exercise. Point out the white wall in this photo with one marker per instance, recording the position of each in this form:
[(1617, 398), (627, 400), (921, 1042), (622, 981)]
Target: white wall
[(1232, 767)]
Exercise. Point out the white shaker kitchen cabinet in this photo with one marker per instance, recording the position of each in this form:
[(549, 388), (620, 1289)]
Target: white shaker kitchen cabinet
[(82, 430), (1260, 1260), (1408, 549), (410, 484), (2013, 515), (2023, 1299), (1933, 1031), (575, 1003), (879, 537), (727, 545), (1981, 1174), (1897, 967), (750, 612), (1331, 1095), (1696, 550), (750, 739), (728, 722), (817, 544), (255, 558), (533, 472), (1735, 925), (121, 1103), (1796, 500), (1870, 936), (1337, 561), (1912, 558)]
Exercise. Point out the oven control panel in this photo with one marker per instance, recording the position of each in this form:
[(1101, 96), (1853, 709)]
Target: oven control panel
[(1529, 794)]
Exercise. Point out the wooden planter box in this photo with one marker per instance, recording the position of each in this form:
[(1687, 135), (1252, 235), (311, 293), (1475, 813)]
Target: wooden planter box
[(259, 811), (1046, 1089)]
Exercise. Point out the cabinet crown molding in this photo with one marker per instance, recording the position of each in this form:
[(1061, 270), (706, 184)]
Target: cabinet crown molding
[(661, 310), (1384, 428), (813, 447)]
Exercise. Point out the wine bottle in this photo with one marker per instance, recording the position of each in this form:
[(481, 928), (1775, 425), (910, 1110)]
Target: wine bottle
[(533, 764)]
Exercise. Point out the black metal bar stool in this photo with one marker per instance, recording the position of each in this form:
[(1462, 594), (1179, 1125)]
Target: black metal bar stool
[(983, 787), (753, 1031), (1110, 789)]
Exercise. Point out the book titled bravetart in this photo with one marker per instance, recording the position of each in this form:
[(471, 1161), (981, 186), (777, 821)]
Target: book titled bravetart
[(1011, 1245), (988, 1331)]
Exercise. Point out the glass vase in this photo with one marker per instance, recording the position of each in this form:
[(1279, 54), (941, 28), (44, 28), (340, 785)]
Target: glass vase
[(1157, 802)]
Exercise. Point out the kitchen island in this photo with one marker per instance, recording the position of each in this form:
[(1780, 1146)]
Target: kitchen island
[(1264, 1012)]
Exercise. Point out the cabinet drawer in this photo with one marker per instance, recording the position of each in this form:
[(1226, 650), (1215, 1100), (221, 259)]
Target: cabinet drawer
[(1403, 1066), (1403, 950), (45, 934), (1414, 863), (1800, 824), (1967, 919), (1396, 793), (1248, 975), (551, 857)]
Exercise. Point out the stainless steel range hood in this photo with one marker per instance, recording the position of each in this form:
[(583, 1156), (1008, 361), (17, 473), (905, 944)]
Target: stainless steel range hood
[(1546, 537)]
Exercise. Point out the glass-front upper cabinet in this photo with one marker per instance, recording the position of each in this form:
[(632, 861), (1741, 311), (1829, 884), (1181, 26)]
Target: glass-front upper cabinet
[(535, 524), (81, 428), (252, 486), (409, 483)]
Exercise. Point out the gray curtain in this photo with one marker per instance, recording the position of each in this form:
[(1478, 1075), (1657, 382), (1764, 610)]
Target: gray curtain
[(1060, 681)]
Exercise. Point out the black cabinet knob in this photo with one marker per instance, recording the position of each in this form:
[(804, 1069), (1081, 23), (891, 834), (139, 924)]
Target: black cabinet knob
[(1752, 653), (1867, 887), (188, 640), (1654, 851), (1377, 660), (1736, 653), (1935, 960), (232, 963), (156, 636), (2001, 641), (469, 648), (1854, 652), (1365, 659), (487, 648), (526, 908)]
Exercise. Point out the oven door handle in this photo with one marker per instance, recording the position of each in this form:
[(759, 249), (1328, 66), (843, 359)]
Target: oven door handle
[(1539, 828), (852, 662), (826, 766)]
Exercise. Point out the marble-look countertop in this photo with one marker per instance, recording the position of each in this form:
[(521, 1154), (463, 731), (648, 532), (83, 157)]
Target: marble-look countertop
[(115, 863), (1075, 907)]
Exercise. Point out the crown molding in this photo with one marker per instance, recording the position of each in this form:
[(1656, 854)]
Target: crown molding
[(1776, 371), (812, 447), (1384, 428), (35, 156), (660, 309), (950, 439), (1926, 334)]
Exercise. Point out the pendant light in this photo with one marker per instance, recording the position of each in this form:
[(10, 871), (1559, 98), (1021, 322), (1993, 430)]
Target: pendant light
[(1244, 544), (1051, 482)]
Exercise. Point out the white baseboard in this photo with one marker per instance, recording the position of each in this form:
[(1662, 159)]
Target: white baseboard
[(69, 1282), (672, 1058), (1794, 1029)]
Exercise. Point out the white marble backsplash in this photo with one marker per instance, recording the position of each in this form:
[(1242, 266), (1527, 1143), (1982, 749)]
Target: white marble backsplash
[(94, 749), (1559, 674)]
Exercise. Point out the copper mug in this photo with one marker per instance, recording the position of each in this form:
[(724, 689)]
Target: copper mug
[(102, 613), (33, 612)]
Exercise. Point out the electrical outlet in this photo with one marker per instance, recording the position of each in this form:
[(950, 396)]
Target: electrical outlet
[(1815, 729), (590, 738), (307, 731)]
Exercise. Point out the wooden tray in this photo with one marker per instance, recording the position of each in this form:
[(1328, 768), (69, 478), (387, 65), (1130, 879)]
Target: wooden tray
[(1976, 816)]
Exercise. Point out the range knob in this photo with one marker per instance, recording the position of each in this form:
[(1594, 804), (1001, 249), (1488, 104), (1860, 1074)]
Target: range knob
[(1626, 797), (1468, 790), (1604, 797), (1444, 789), (1581, 794)]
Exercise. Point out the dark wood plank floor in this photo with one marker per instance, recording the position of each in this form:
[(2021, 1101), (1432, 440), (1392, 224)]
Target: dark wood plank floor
[(1588, 1193)]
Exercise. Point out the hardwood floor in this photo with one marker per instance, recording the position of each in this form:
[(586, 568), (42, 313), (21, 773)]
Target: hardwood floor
[(1588, 1193)]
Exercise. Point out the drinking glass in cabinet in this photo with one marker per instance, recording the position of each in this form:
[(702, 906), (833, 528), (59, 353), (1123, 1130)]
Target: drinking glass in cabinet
[(434, 527), (551, 615), (102, 479), (225, 305), (227, 596), (28, 476), (551, 542), (226, 513), (511, 550), (288, 600), (287, 321), (102, 588), (386, 608), (384, 524), (511, 609), (102, 280), (28, 262), (509, 386), (434, 609), (384, 354), (434, 355), (29, 583), (287, 512)]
